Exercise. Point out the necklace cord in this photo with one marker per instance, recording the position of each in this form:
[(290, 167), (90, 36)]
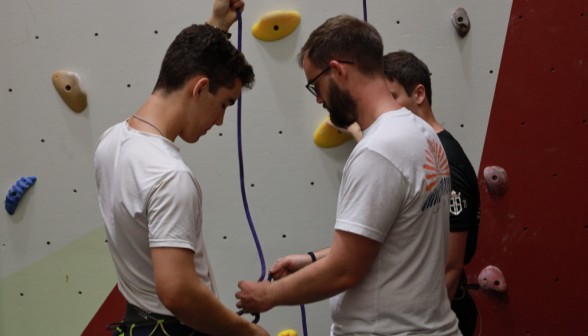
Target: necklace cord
[(143, 120)]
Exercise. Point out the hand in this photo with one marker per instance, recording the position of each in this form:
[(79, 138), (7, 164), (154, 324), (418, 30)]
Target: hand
[(254, 297), (290, 264), (224, 13), (353, 130)]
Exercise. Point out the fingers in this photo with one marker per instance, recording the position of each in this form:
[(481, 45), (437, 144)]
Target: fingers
[(238, 4), (280, 264)]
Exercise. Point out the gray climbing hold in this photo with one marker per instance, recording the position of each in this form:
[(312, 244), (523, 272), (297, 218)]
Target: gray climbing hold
[(16, 193), (461, 22)]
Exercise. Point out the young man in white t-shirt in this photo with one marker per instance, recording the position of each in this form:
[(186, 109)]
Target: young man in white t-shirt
[(151, 202), (385, 270)]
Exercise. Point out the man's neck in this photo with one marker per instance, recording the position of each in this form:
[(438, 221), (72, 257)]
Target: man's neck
[(426, 113), (373, 99), (163, 112)]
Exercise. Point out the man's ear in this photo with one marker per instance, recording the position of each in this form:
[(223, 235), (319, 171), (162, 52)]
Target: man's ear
[(338, 72), (201, 86), (420, 93)]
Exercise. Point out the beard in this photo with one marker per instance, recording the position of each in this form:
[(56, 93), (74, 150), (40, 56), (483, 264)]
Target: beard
[(342, 108)]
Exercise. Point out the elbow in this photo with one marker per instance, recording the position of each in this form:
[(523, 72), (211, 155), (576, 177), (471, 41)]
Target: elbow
[(172, 300)]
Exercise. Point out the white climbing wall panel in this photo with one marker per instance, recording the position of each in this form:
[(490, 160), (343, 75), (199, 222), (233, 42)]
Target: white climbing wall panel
[(117, 48)]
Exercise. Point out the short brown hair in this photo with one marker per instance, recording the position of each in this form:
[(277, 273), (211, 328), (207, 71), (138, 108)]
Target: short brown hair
[(203, 50), (409, 71), (345, 38)]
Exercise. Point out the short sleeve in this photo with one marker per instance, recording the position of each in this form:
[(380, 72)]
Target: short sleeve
[(462, 205), (371, 196), (174, 212)]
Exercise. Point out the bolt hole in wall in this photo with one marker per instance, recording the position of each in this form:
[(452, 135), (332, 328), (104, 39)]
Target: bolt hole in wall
[(525, 229), (80, 292), (397, 22), (253, 185), (128, 85), (42, 140), (155, 32), (9, 90), (523, 123), (75, 191), (21, 294), (48, 243), (552, 69), (225, 237), (311, 183), (37, 37), (281, 131), (95, 34), (283, 236), (554, 175), (491, 71), (462, 125), (520, 17), (220, 134)]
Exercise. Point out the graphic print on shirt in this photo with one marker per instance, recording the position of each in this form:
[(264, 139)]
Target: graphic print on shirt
[(455, 203), (438, 179)]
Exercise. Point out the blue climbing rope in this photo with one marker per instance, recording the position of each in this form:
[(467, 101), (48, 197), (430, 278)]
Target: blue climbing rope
[(364, 11), (247, 213), (260, 252)]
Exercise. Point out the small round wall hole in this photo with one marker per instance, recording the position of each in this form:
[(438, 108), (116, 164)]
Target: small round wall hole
[(311, 183), (462, 125), (460, 19), (253, 185), (584, 121), (220, 134), (586, 227), (525, 229), (21, 294), (554, 175), (37, 37), (68, 88), (496, 283), (276, 28), (491, 71), (42, 140), (95, 34), (48, 243), (155, 32), (80, 292), (523, 123), (552, 69), (225, 237), (397, 22), (106, 240), (556, 280), (494, 177), (520, 17), (582, 15), (283, 236), (128, 85), (281, 131), (9, 90), (75, 191)]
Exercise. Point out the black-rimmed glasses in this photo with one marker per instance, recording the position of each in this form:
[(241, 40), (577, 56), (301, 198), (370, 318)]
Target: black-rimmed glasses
[(314, 89)]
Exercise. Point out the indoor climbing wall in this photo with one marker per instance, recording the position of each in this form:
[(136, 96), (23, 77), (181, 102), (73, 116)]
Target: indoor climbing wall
[(55, 268), (536, 232)]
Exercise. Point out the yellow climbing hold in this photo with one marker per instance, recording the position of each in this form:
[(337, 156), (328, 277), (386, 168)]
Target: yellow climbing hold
[(327, 136), (276, 25), (289, 332), (69, 86)]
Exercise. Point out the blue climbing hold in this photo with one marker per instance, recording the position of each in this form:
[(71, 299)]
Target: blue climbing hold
[(17, 191)]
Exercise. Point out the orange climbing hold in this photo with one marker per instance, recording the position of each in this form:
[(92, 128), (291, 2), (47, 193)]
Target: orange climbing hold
[(69, 86)]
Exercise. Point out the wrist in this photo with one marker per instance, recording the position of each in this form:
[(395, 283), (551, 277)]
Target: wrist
[(219, 24)]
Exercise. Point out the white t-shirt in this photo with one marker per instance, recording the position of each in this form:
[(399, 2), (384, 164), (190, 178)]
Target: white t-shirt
[(148, 198), (395, 190)]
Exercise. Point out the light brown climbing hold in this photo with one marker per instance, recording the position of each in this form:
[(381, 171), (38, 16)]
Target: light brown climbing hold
[(496, 180), (461, 22), (69, 86), (491, 278)]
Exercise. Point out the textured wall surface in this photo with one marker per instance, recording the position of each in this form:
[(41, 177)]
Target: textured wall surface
[(53, 247), (537, 232)]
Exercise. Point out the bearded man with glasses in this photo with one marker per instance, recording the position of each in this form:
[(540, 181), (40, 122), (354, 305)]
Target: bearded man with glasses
[(385, 270)]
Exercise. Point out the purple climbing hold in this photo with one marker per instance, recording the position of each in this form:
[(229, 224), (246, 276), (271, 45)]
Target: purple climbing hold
[(496, 180), (16, 193)]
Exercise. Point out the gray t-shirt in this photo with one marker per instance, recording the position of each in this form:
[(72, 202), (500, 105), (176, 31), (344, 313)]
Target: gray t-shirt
[(395, 190), (148, 198)]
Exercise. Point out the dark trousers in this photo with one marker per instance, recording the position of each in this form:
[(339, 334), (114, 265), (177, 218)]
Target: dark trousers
[(464, 307), (172, 329)]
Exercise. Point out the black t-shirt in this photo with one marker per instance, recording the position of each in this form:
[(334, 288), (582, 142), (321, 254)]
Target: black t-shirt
[(465, 194)]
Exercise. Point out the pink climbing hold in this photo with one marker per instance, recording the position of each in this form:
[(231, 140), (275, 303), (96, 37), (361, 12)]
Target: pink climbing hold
[(491, 278), (496, 179)]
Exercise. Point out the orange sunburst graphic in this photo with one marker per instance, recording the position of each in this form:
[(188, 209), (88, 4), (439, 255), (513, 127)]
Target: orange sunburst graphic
[(437, 166)]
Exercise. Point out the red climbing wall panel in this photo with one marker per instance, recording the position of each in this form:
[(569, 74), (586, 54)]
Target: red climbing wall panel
[(112, 310), (537, 233)]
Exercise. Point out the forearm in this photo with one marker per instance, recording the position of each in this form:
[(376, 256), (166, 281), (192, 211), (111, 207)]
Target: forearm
[(321, 254), (199, 309), (318, 281), (452, 281)]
